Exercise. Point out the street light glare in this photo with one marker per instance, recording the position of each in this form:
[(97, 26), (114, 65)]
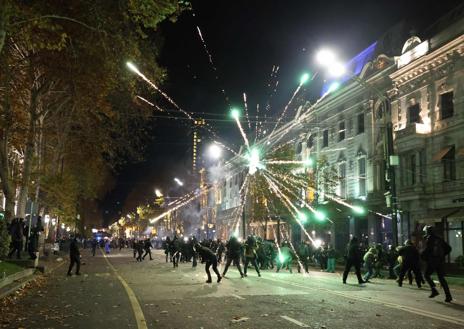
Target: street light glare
[(325, 57), (214, 151), (235, 113), (333, 86), (178, 181), (158, 193), (337, 69)]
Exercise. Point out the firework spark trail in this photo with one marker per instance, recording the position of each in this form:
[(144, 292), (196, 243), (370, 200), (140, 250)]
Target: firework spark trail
[(246, 110), (242, 132), (226, 147), (303, 201), (278, 247), (167, 212), (284, 162), (236, 213), (286, 108), (181, 199), (286, 236), (166, 96), (256, 123), (288, 204), (210, 59)]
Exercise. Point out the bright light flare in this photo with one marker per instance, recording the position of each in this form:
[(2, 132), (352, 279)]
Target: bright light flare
[(214, 151), (359, 210), (333, 87), (178, 181), (158, 193), (235, 113), (254, 161), (325, 57), (133, 68), (317, 243), (304, 78), (320, 216), (336, 70)]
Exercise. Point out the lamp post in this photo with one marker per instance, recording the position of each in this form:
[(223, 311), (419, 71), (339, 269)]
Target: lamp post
[(328, 59)]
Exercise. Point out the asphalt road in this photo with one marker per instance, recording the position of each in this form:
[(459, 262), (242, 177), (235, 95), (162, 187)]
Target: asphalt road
[(116, 292)]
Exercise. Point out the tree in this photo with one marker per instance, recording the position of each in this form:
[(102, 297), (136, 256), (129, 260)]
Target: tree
[(71, 117)]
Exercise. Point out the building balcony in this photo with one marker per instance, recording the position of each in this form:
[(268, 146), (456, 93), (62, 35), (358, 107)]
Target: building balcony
[(415, 129)]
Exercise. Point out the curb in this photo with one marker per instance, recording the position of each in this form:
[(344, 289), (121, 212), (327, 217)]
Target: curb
[(27, 275), (16, 276)]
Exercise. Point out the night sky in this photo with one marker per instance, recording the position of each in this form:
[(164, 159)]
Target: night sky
[(245, 39)]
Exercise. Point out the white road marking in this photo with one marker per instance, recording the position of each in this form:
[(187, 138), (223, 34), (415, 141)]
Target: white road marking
[(138, 314), (237, 296), (405, 308), (298, 323)]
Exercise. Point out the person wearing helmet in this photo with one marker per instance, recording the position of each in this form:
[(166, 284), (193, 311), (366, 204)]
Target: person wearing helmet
[(410, 262), (434, 255)]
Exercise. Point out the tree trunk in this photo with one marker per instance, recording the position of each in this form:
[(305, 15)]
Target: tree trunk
[(4, 16), (28, 158)]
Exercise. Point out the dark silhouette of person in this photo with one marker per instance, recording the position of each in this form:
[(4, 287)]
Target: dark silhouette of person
[(210, 259), (74, 256), (353, 258)]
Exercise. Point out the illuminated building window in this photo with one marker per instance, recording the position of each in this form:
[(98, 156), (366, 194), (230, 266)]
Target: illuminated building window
[(325, 138), (360, 123), (362, 176), (449, 165), (414, 114), (446, 105), (310, 142)]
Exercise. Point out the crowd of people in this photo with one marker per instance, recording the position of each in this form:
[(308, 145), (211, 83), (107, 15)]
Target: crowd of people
[(402, 261)]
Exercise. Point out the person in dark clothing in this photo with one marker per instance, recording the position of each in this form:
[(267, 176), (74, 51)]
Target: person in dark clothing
[(175, 250), (94, 246), (147, 248), (16, 232), (434, 255), (233, 255), (33, 245), (139, 250), (250, 255), (410, 262), (167, 247), (210, 259), (353, 258), (392, 256), (303, 255), (74, 257)]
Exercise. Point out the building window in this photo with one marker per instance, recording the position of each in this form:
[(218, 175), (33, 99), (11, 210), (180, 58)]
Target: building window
[(341, 131), (422, 164), (446, 105), (342, 178), (310, 142), (360, 123), (325, 138), (412, 169), (449, 165), (414, 114), (362, 176)]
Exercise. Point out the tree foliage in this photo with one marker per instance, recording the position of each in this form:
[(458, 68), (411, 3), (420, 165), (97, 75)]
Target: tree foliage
[(67, 116)]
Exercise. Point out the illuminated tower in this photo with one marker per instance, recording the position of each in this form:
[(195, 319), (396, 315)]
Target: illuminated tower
[(198, 124)]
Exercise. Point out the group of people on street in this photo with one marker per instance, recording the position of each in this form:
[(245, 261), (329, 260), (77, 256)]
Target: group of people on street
[(402, 261), (408, 260), (21, 233)]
